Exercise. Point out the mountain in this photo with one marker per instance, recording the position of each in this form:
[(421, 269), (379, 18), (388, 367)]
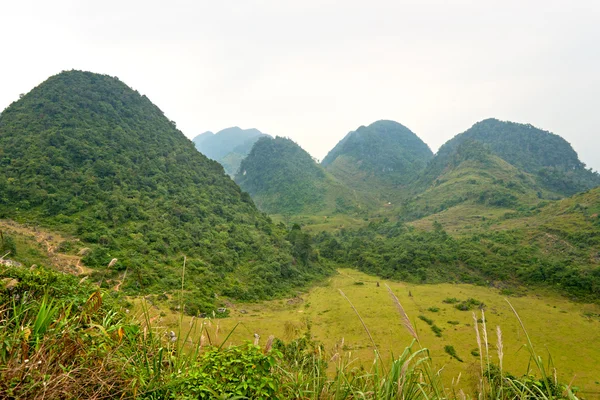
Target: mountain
[(380, 157), (201, 138), (85, 154), (229, 146), (282, 178), (546, 155), (476, 177)]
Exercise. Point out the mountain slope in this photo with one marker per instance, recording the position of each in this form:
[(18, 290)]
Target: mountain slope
[(383, 155), (228, 146), (546, 155), (555, 245), (282, 178), (85, 154), (476, 177)]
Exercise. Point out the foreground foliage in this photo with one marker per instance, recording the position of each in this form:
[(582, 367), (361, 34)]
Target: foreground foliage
[(63, 338)]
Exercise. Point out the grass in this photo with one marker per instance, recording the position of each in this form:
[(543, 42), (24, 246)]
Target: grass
[(327, 223), (55, 342), (332, 322)]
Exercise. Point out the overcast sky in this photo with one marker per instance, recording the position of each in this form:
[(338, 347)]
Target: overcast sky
[(314, 70)]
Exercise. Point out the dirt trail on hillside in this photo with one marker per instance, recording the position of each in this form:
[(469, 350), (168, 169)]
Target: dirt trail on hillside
[(117, 287), (50, 241)]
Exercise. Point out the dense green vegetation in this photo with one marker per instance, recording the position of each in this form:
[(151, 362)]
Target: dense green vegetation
[(377, 157), (85, 154), (546, 155), (282, 178), (475, 176), (228, 146), (395, 251)]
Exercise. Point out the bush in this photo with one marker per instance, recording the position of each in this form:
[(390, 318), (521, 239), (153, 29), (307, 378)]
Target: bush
[(452, 352), (7, 244), (450, 300), (469, 304), (242, 371)]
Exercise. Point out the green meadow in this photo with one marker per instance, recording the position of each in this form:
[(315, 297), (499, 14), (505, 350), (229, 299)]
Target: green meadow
[(564, 333)]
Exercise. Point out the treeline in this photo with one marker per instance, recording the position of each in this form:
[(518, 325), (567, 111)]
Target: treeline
[(393, 250)]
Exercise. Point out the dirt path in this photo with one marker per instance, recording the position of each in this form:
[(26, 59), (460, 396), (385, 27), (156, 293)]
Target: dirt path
[(50, 241), (118, 285)]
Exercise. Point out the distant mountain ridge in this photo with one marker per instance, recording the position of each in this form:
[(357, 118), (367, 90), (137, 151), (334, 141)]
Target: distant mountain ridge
[(228, 146), (198, 140)]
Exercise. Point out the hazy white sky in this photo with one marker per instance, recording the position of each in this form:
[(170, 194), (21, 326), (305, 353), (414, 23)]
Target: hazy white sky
[(313, 70)]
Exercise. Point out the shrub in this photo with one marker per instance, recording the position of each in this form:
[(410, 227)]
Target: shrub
[(450, 300), (452, 352), (242, 371), (469, 304)]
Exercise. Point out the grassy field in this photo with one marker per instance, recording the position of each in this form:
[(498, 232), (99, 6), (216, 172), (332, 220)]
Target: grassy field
[(564, 332)]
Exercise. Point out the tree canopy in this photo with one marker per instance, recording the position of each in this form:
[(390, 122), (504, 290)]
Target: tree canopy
[(87, 155)]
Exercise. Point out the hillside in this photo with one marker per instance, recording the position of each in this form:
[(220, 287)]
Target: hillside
[(474, 176), (282, 178), (228, 146), (86, 155), (548, 156), (382, 156), (553, 245), (568, 229)]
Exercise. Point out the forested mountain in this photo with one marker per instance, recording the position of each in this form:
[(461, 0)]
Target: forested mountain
[(86, 155), (475, 176), (282, 178), (229, 146), (382, 155), (546, 155)]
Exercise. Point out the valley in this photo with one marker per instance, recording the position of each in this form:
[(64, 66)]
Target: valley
[(178, 252)]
